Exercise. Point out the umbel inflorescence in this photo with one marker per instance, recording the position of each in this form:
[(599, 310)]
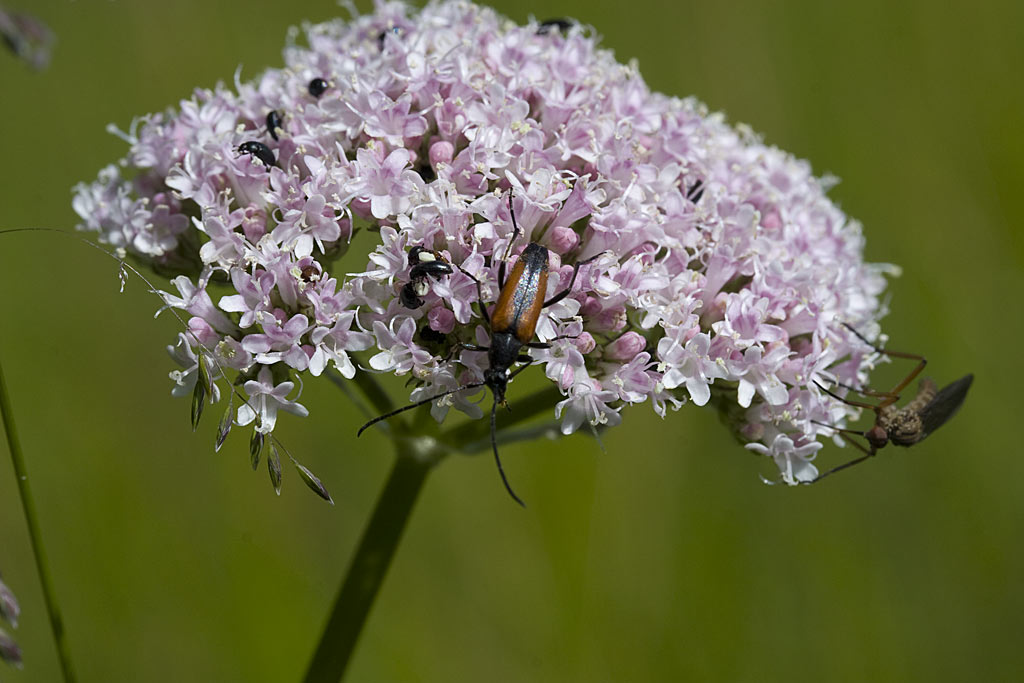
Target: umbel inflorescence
[(722, 273)]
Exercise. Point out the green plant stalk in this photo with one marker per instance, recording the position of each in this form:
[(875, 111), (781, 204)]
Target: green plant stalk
[(415, 456), (36, 537), (369, 566)]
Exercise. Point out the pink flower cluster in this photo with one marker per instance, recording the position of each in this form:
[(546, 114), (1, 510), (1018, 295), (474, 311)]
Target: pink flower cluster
[(723, 273)]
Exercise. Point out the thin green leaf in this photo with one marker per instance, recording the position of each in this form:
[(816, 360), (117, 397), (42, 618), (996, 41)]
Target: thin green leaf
[(255, 446), (312, 481), (199, 394), (274, 467), (226, 422)]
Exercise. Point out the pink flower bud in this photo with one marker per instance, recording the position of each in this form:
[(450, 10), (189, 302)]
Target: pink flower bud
[(584, 343), (591, 307), (626, 347), (203, 332), (441, 319), (611, 319), (563, 240), (441, 152), (752, 431), (771, 220)]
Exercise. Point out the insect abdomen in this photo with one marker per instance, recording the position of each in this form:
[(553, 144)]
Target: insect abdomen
[(926, 390)]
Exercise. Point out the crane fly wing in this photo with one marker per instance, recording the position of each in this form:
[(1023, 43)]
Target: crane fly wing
[(945, 404)]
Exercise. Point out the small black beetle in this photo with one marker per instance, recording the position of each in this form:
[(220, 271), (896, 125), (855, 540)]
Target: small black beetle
[(424, 263), (274, 122), (258, 150), (317, 86), (560, 24)]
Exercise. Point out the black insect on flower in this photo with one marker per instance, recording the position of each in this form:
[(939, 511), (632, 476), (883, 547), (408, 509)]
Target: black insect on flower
[(317, 87), (274, 122), (423, 263), (258, 150)]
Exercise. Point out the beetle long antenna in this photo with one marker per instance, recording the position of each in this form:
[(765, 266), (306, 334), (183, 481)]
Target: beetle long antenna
[(494, 444), (417, 404), (515, 227)]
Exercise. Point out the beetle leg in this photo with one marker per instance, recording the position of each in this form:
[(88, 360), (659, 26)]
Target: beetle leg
[(526, 361), (547, 345), (575, 271), (460, 346)]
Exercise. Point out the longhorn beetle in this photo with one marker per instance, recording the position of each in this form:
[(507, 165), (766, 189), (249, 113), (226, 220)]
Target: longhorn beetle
[(513, 323), (424, 263), (905, 426)]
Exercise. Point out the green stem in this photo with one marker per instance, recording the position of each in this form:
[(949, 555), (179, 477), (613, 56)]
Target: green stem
[(21, 474), (415, 457), (369, 565)]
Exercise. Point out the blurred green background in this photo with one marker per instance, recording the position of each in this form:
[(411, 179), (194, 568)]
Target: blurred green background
[(662, 559)]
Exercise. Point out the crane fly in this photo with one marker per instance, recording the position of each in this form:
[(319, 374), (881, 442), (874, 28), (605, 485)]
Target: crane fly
[(927, 411)]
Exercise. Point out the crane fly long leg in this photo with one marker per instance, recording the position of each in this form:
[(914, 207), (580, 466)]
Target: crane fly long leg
[(846, 432), (845, 465), (847, 401), (874, 393), (894, 395), (898, 389)]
